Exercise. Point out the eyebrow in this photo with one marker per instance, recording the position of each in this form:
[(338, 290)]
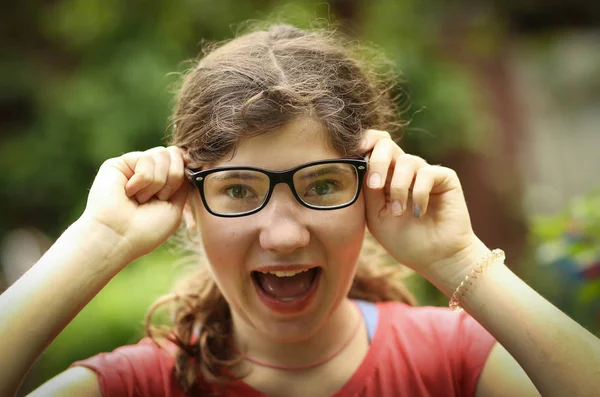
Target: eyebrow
[(327, 170), (252, 175), (245, 175)]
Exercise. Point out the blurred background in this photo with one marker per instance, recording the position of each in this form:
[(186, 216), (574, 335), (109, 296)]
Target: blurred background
[(505, 92)]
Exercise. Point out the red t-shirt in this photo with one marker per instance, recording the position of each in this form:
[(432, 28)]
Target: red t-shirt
[(415, 351)]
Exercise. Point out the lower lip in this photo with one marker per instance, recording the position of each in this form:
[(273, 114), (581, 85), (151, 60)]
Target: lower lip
[(292, 307)]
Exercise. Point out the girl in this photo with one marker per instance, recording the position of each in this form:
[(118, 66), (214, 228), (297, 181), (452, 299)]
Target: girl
[(266, 169)]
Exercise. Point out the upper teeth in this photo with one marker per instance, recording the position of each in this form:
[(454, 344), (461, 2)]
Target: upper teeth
[(284, 273)]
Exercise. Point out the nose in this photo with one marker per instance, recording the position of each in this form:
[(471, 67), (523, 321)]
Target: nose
[(281, 226)]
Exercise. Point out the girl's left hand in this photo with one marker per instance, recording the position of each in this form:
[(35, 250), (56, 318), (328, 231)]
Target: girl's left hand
[(417, 211)]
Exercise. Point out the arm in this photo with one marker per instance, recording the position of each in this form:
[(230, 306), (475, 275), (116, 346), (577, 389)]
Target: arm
[(78, 381), (429, 230), (51, 293), (559, 356), (134, 205), (502, 376)]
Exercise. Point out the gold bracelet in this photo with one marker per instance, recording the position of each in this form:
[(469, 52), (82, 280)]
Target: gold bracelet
[(494, 256)]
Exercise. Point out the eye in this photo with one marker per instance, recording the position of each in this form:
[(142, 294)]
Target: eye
[(239, 192), (322, 188)]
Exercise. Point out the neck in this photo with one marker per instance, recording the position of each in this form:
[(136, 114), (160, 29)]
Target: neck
[(328, 338)]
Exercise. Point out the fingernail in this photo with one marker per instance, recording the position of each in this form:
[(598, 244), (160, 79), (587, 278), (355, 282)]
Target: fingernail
[(374, 180), (396, 208), (417, 211)]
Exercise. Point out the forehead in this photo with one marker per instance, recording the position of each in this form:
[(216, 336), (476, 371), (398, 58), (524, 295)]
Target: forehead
[(299, 141)]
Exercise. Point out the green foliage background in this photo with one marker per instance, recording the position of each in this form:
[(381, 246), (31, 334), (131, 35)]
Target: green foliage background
[(94, 83)]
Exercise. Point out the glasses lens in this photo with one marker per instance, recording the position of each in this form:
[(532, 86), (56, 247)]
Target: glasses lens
[(235, 191), (327, 185)]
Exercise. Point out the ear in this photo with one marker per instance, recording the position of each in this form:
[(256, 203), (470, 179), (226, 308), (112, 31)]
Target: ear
[(188, 209), (188, 214)]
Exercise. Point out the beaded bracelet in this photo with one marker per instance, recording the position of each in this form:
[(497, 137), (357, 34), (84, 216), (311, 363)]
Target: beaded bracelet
[(494, 256)]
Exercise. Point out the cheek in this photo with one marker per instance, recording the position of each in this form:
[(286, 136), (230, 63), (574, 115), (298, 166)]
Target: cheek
[(350, 225), (344, 233), (223, 244), (342, 238), (214, 237), (226, 249)]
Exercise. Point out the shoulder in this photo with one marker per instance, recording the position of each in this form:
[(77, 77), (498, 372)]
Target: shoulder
[(432, 321), (421, 318), (145, 368), (427, 327), (437, 327), (146, 354), (413, 311), (437, 342)]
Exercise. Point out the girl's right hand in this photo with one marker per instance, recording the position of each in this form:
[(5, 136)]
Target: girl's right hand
[(139, 197)]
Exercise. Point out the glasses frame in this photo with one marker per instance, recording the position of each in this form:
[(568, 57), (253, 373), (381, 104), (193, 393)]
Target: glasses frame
[(275, 178)]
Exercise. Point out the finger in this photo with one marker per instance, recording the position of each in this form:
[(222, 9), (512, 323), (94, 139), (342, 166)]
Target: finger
[(115, 171), (405, 170), (162, 161), (175, 176), (143, 172), (112, 176), (431, 179), (127, 162), (371, 137), (380, 161)]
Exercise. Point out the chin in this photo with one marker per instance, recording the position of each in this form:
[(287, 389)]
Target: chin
[(290, 331), (297, 328)]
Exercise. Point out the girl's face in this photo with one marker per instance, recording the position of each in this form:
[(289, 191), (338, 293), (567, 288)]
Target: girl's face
[(284, 234)]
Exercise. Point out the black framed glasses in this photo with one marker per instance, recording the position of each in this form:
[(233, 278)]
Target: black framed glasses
[(241, 191)]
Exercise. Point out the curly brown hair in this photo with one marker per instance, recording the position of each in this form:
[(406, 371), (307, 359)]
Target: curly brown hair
[(248, 86)]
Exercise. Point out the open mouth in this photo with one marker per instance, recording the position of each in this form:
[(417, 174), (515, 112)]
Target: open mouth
[(287, 292), (287, 286)]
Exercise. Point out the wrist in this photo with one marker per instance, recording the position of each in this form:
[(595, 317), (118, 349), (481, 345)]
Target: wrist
[(108, 247), (447, 274)]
